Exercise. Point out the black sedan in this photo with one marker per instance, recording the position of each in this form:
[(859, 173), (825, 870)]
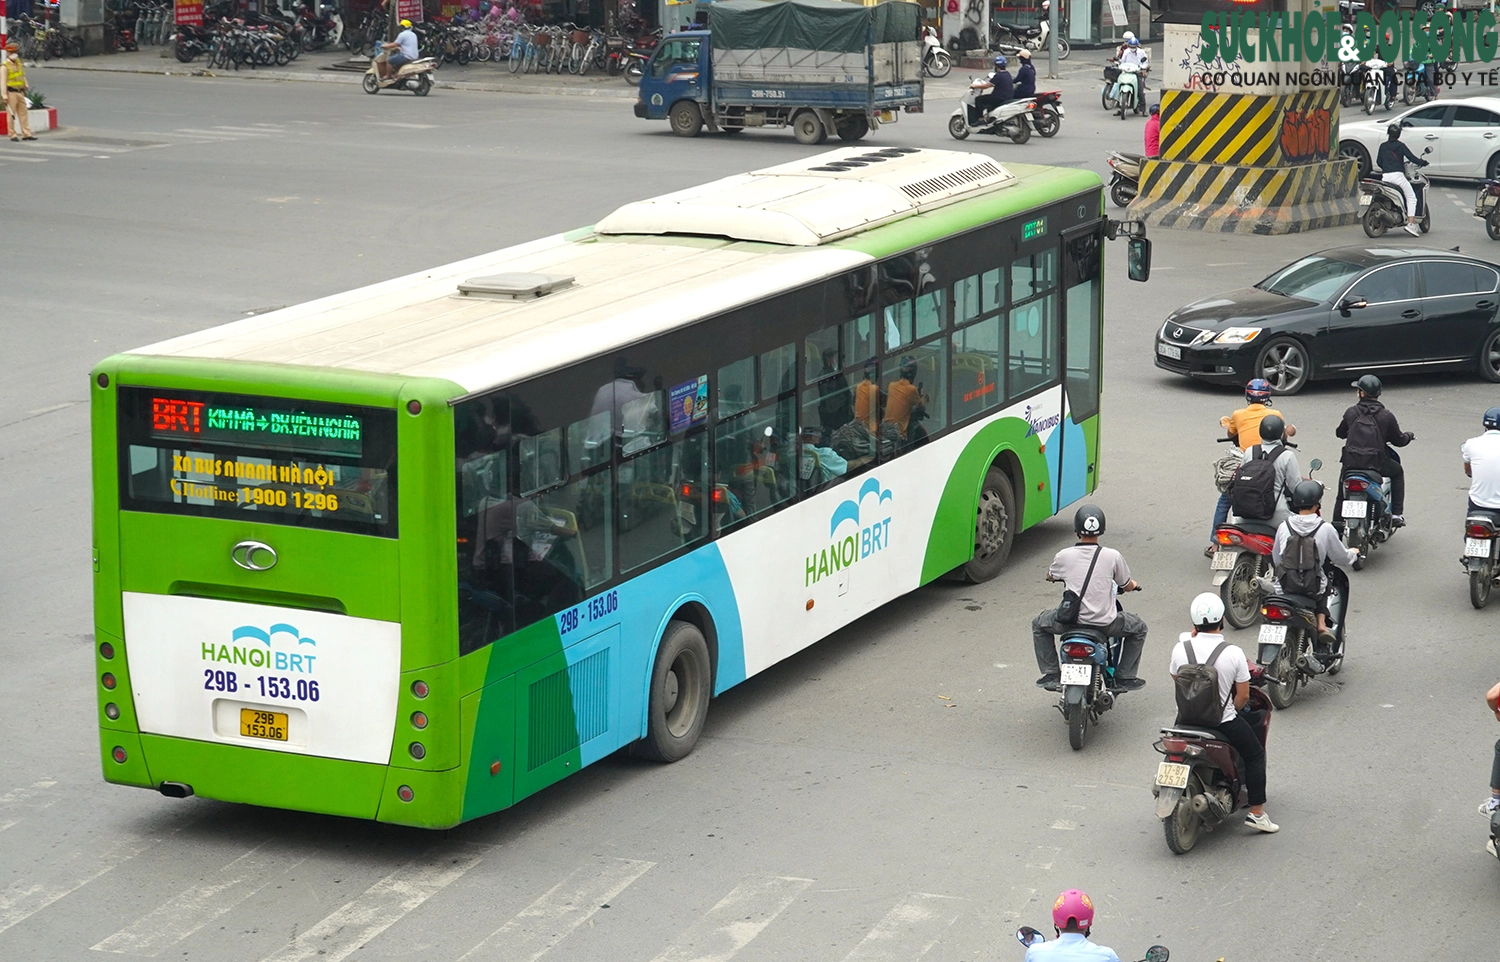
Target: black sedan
[(1350, 310)]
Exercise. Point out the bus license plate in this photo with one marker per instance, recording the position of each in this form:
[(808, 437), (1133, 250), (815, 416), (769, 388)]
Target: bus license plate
[(1273, 634), (1223, 560), (1169, 350), (1172, 775), (1476, 548), (1356, 509), (263, 724), (1077, 674)]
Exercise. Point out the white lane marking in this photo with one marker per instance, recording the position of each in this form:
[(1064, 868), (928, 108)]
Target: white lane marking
[(16, 805), (21, 900), (200, 132), (195, 907), (909, 930), (568, 904), (739, 917), (249, 130), (7, 158), (347, 929)]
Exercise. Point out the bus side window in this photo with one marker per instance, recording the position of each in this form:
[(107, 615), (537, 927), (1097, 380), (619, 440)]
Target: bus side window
[(663, 500), (751, 473)]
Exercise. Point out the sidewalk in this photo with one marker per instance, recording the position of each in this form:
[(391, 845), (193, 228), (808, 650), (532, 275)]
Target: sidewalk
[(329, 67)]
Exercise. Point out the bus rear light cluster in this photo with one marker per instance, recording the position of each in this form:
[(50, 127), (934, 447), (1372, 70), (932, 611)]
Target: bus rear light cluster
[(419, 689), (108, 681), (405, 793), (112, 711), (118, 754), (418, 720), (107, 651)]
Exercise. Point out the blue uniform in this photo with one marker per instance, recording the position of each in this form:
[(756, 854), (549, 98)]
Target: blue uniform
[(1070, 947)]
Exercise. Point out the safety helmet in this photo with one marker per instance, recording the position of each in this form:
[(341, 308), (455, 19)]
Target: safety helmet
[(1156, 108), (1207, 610), (406, 24), (1307, 494), (1393, 130), (1369, 385), (1088, 520), (1133, 42), (1492, 419), (1073, 909), (1272, 428), (908, 366), (1000, 61), (1129, 36), (1258, 391)]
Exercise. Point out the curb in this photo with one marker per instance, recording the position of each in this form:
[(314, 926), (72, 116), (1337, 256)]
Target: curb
[(42, 118)]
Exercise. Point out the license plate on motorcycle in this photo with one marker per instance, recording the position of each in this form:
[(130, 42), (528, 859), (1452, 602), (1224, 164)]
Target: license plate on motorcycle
[(1476, 548), (1169, 350), (1172, 775), (1364, 200), (1223, 560), (1273, 634), (1077, 674), (1356, 509)]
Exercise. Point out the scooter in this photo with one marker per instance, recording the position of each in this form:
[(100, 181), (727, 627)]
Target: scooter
[(1289, 650), (1125, 177), (1128, 76), (1365, 512), (1006, 120), (1481, 557), (415, 76), (1416, 87), (1087, 660), (1487, 207), (1029, 936), (1200, 783), (1035, 37), (1383, 206), (1048, 115), (1375, 92), (936, 61), (321, 30)]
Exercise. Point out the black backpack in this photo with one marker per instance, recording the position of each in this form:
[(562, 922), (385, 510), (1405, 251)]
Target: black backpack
[(1299, 563), (1255, 492), (1364, 447), (1198, 701)]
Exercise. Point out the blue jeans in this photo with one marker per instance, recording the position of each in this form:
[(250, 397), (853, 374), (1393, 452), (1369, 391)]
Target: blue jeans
[(397, 61), (1221, 515)]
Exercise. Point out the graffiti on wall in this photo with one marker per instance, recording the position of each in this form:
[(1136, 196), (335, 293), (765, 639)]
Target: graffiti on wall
[(1308, 134)]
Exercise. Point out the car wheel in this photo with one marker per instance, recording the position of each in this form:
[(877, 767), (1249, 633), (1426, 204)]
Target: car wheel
[(1285, 363), (1492, 169), (1351, 150), (1489, 357)]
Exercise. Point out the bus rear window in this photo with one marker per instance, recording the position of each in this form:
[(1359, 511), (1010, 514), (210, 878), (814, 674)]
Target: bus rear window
[(273, 460)]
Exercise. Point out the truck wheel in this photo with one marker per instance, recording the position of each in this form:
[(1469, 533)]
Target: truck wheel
[(808, 128), (853, 128), (686, 118)]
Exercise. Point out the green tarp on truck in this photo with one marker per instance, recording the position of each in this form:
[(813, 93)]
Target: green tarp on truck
[(829, 25)]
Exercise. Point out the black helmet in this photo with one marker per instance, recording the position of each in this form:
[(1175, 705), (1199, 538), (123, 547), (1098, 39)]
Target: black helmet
[(1088, 521), (1272, 428), (1369, 385), (1492, 419), (1307, 494), (1394, 130)]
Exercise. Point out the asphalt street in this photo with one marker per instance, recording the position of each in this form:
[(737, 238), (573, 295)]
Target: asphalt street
[(899, 791)]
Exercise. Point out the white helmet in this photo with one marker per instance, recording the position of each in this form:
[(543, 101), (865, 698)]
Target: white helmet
[(1128, 36), (1207, 610)]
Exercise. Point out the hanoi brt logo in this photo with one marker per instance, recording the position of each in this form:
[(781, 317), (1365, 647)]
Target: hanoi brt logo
[(858, 528), (271, 656)]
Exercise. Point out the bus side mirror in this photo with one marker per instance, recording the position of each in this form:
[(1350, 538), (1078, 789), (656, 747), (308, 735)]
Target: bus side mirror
[(1138, 258)]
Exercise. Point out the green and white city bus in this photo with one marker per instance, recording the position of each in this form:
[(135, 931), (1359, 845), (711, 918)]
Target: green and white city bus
[(416, 551)]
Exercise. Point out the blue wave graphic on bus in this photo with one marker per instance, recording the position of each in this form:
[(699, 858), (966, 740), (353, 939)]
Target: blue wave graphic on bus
[(849, 510), (256, 634)]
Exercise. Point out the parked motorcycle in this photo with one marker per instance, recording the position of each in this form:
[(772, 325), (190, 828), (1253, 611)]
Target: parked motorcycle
[(1034, 37), (319, 31), (1383, 206), (1201, 781), (1006, 120), (1029, 936), (1048, 115), (936, 61), (415, 76), (1128, 97), (1125, 176), (637, 55), (1289, 649), (189, 42), (1365, 510), (1481, 558), (1487, 207), (1087, 659)]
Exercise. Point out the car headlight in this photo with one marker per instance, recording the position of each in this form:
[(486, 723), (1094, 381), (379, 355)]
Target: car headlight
[(1237, 335), (1203, 338)]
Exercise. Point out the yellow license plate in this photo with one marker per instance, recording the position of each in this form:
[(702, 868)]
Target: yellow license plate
[(263, 724)]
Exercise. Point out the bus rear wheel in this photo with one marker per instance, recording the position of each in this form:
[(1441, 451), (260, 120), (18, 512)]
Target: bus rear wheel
[(681, 685), (994, 527)]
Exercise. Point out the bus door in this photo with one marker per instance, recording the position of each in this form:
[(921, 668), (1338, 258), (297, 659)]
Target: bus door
[(1083, 292)]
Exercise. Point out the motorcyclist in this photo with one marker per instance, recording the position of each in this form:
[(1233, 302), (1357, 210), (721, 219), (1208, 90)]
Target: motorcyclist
[(1124, 44), (1238, 726), (1243, 426), (1382, 458), (1392, 159), (1072, 920), (1001, 88), (1482, 464), (1288, 472), (1136, 54), (1152, 133), (1308, 522), (1491, 805), (398, 53), (1025, 76), (1097, 605)]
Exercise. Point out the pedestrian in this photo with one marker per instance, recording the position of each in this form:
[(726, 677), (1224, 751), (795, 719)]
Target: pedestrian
[(17, 118), (1153, 132)]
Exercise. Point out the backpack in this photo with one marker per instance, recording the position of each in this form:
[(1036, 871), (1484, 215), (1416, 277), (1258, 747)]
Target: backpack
[(853, 440), (1198, 701), (1365, 445), (1255, 491), (1299, 573)]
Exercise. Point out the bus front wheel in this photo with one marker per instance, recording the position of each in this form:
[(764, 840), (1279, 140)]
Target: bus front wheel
[(681, 684), (994, 527)]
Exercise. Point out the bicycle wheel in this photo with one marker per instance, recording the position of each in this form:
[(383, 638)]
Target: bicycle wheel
[(265, 53), (464, 52), (75, 46), (517, 56), (284, 53)]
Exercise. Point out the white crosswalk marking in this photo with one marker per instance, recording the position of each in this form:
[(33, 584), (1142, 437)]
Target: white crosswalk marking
[(350, 927), (195, 907), (567, 905), (909, 930), (17, 804), (21, 900), (739, 917)]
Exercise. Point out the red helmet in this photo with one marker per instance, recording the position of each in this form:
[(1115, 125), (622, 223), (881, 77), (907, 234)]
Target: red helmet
[(1074, 909)]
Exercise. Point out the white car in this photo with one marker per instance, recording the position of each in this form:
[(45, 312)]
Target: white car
[(1464, 136)]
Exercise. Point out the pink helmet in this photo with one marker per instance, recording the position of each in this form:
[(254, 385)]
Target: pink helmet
[(1073, 908)]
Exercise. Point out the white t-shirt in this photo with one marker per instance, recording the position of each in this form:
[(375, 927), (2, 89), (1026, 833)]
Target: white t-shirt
[(1232, 666), (1482, 455)]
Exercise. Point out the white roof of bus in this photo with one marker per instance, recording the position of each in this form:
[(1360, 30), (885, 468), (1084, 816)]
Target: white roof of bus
[(626, 288)]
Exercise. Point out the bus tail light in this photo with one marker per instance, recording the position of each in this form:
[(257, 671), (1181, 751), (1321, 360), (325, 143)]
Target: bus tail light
[(419, 689), (405, 793), (118, 754), (418, 720), (108, 681), (107, 651), (112, 711), (417, 750)]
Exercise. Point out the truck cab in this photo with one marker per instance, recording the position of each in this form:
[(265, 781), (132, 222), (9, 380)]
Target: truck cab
[(680, 71)]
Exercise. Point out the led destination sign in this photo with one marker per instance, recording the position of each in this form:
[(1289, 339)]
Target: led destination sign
[(257, 425)]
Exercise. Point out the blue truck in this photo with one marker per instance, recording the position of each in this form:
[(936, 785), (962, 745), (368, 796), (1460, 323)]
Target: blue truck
[(820, 67)]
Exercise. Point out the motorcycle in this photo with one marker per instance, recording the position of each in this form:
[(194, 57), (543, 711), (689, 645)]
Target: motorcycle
[(1351, 83), (1365, 512), (1034, 37), (319, 31), (1087, 661), (936, 61), (1029, 936), (1241, 567), (1200, 784), (1375, 90), (1487, 207), (1481, 557), (1130, 83), (1048, 115), (1006, 120), (1416, 87), (1288, 643), (415, 76), (189, 42), (1125, 177), (637, 54), (1383, 205)]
